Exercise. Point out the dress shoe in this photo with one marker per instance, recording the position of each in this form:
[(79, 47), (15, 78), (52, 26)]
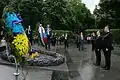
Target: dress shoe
[(96, 64), (106, 68), (103, 67)]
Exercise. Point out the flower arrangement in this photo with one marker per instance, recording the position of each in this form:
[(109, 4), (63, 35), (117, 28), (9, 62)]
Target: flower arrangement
[(33, 54), (21, 45)]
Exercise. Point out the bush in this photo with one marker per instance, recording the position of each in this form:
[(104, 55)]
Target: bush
[(71, 35), (116, 36), (61, 32)]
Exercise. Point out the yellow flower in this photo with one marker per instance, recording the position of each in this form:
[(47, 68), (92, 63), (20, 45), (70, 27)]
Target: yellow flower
[(21, 44)]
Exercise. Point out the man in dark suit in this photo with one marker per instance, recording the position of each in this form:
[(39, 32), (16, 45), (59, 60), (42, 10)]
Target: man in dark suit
[(97, 47), (107, 47), (93, 37), (81, 41)]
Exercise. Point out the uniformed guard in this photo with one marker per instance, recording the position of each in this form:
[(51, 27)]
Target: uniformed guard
[(107, 47)]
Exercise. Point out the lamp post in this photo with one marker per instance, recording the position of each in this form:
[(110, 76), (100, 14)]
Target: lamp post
[(16, 74)]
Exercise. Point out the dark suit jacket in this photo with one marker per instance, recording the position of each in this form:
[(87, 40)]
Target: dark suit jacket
[(107, 41), (98, 42)]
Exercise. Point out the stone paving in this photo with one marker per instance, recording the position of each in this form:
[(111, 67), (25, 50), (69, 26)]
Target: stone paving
[(78, 66), (83, 62), (6, 73)]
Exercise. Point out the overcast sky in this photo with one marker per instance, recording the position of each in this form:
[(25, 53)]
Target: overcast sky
[(91, 4)]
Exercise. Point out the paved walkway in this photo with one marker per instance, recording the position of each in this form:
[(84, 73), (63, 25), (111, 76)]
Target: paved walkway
[(78, 66), (6, 73)]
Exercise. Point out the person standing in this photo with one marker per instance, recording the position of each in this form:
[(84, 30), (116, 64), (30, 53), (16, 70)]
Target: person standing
[(48, 36), (97, 47), (107, 47), (53, 40), (43, 36), (93, 37), (81, 41), (66, 41), (2, 32), (29, 33), (77, 40), (35, 39)]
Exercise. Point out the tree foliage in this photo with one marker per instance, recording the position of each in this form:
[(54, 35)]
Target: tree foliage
[(81, 16), (31, 11), (60, 14), (108, 13), (55, 13)]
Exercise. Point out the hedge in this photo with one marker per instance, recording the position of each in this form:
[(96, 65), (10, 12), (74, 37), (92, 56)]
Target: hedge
[(61, 32), (115, 33)]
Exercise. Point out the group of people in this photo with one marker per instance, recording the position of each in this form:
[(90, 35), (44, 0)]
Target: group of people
[(2, 38), (51, 37), (102, 42)]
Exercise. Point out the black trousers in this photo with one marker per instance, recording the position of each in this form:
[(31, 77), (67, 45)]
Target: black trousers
[(98, 56), (81, 45), (66, 44), (93, 45), (48, 44), (77, 44), (107, 55)]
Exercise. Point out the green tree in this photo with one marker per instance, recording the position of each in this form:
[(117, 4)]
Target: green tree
[(81, 16), (3, 3), (60, 14), (55, 12), (31, 11), (108, 13), (69, 14)]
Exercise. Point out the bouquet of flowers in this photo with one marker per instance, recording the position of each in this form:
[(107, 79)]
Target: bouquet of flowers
[(21, 45), (33, 54)]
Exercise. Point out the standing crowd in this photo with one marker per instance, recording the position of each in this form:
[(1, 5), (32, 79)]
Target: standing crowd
[(46, 37), (101, 41)]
